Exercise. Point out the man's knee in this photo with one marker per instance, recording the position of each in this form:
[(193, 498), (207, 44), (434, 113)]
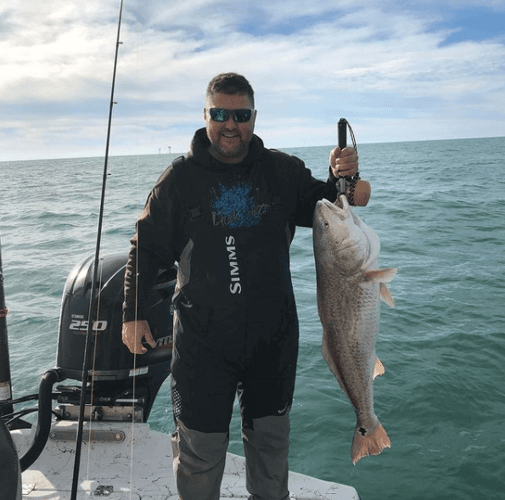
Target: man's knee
[(266, 446), (199, 460)]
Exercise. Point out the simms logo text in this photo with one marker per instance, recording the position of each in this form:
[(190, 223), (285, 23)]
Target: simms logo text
[(235, 285)]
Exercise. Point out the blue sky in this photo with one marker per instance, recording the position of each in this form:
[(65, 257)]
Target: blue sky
[(397, 70)]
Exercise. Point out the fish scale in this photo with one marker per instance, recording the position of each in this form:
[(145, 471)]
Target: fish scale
[(349, 289)]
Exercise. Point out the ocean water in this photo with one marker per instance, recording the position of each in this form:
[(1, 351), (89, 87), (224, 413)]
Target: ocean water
[(439, 209)]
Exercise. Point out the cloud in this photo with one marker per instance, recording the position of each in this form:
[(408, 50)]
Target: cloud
[(309, 62)]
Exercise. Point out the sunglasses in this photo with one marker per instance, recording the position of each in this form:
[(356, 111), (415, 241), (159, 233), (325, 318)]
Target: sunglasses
[(222, 115)]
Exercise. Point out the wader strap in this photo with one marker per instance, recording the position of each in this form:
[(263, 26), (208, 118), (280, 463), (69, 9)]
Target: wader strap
[(269, 170), (187, 185)]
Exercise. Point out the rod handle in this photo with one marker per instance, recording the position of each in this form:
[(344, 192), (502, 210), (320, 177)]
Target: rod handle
[(362, 190)]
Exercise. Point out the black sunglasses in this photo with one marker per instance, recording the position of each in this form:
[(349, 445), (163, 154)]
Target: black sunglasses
[(222, 115)]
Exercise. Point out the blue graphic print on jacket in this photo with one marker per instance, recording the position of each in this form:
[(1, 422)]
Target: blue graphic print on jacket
[(235, 207)]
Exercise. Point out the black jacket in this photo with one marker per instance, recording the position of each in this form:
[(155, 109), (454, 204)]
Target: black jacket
[(228, 226)]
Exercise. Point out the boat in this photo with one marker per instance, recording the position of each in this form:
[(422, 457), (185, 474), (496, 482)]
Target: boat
[(122, 457)]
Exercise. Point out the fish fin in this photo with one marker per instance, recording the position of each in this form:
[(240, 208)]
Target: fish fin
[(364, 444), (331, 364), (386, 295), (378, 368), (384, 275)]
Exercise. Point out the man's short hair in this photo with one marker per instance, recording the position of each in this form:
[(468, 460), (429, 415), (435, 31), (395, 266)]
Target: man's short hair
[(230, 84)]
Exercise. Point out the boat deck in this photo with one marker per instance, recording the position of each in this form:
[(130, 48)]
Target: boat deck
[(122, 461)]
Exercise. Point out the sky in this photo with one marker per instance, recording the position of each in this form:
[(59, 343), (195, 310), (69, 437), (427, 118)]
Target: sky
[(397, 70)]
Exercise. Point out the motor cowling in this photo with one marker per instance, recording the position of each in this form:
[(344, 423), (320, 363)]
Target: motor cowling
[(112, 366)]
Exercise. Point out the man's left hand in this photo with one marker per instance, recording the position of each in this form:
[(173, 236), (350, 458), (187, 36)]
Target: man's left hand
[(344, 162)]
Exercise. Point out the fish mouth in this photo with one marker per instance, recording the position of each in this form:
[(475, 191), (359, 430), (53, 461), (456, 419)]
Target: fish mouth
[(342, 202), (340, 207)]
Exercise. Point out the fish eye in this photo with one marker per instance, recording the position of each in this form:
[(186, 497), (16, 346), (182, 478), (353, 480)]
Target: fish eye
[(326, 223)]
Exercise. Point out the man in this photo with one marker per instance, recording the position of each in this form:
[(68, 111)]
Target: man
[(227, 214)]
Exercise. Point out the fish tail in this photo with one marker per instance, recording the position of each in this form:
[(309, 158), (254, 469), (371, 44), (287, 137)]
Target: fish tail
[(365, 444)]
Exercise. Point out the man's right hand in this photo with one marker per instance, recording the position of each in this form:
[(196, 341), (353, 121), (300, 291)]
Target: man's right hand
[(133, 333)]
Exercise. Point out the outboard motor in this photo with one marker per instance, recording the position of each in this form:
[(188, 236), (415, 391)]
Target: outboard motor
[(113, 367)]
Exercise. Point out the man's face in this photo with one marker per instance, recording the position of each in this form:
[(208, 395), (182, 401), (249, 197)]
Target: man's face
[(229, 140)]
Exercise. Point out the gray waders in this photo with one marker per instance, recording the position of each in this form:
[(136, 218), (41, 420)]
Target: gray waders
[(218, 355)]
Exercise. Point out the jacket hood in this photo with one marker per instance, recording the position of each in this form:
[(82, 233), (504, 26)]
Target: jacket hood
[(199, 151)]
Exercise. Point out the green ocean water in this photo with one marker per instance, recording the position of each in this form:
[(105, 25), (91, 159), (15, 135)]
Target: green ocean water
[(439, 209)]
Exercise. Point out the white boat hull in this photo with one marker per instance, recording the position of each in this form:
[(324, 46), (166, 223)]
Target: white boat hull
[(127, 461)]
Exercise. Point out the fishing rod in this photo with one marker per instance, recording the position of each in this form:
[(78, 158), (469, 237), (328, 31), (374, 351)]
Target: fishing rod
[(93, 306), (5, 372)]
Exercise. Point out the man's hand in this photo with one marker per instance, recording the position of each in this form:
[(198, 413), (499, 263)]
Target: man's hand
[(344, 162), (133, 334)]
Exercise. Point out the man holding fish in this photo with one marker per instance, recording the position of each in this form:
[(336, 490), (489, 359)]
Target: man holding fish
[(226, 213)]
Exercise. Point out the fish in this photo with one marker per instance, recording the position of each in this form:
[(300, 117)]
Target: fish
[(350, 286)]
